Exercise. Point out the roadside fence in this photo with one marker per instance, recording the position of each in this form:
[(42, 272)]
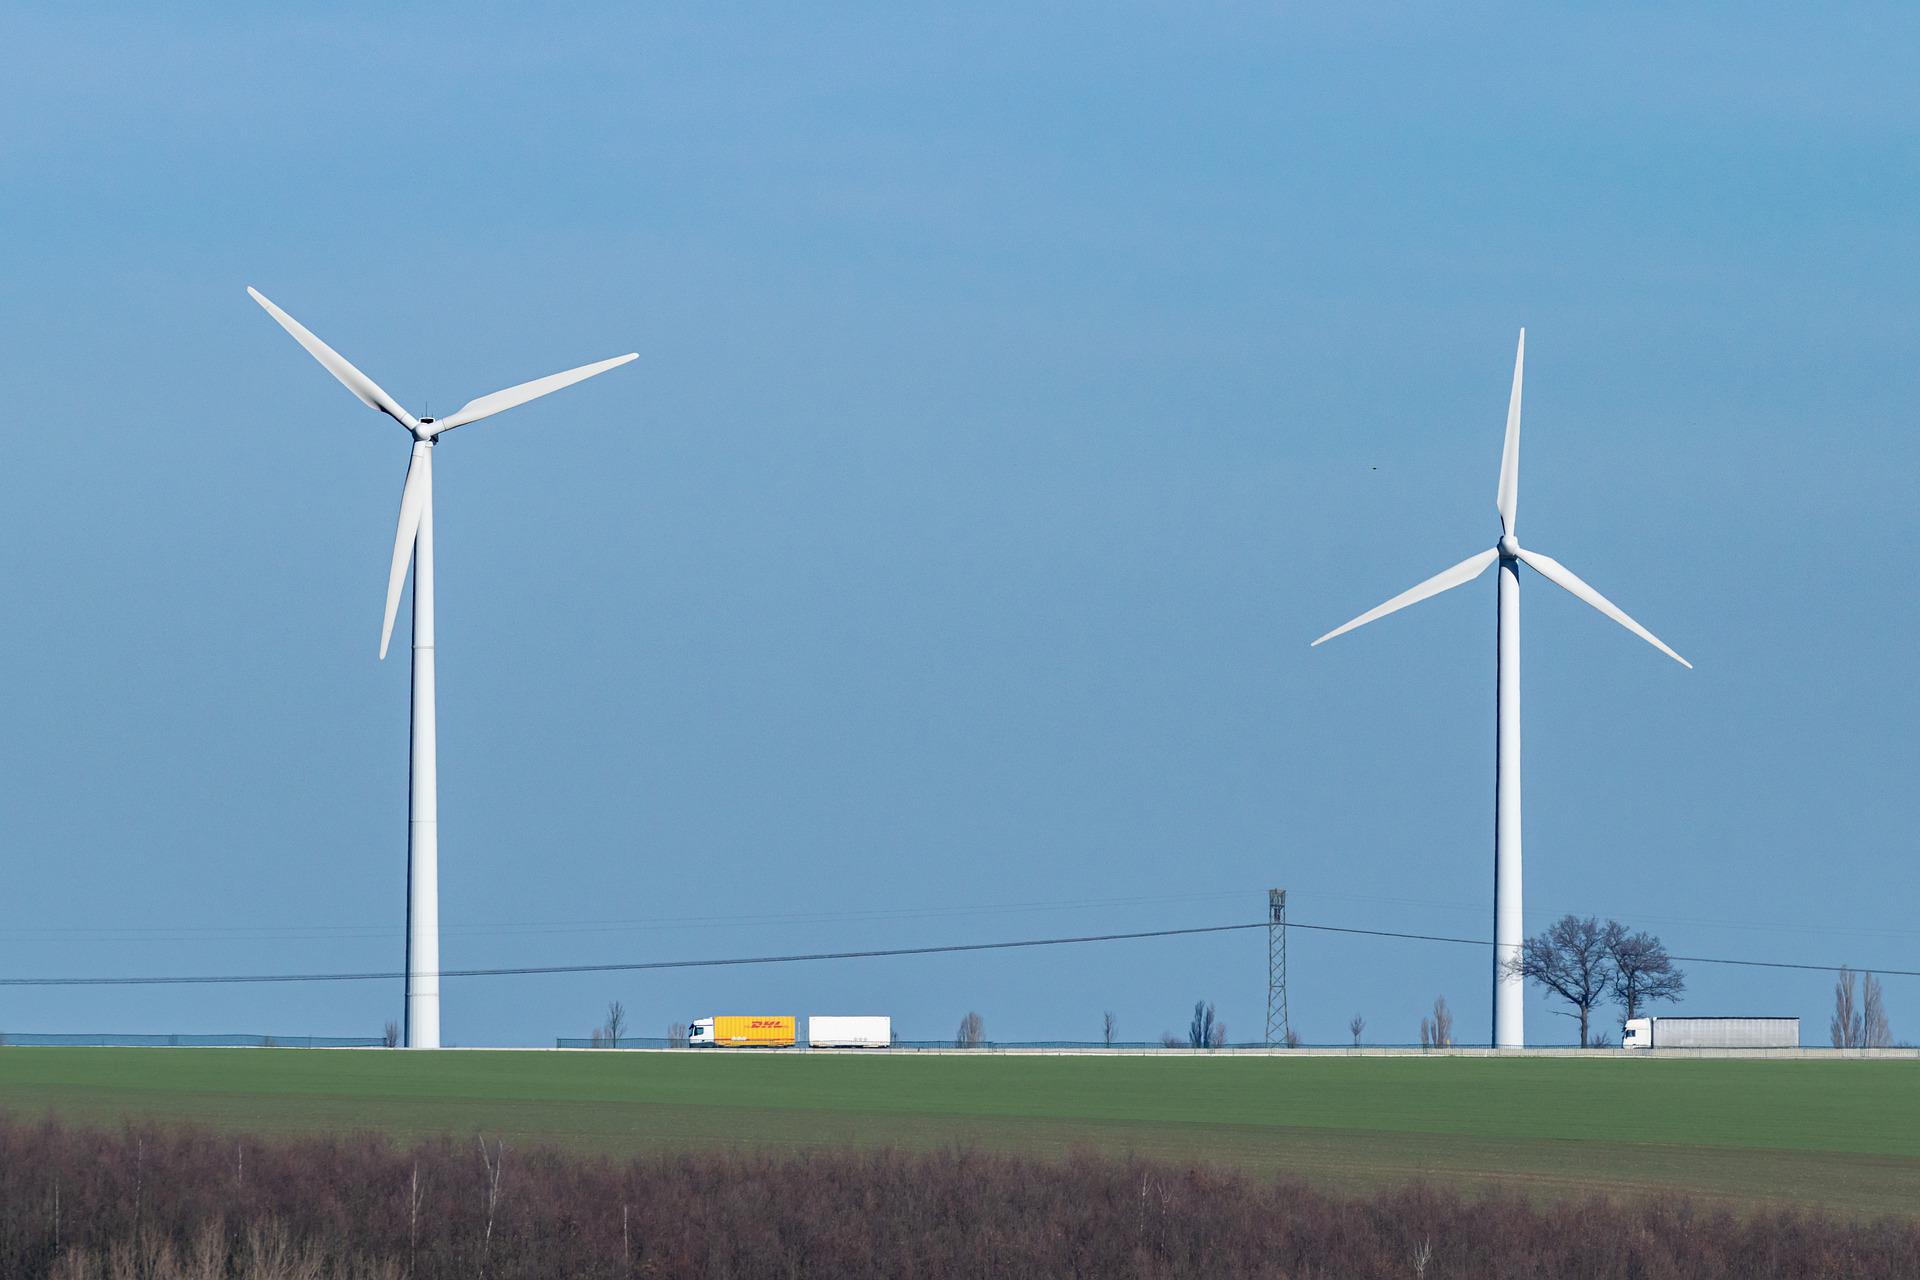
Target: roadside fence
[(1156, 1048)]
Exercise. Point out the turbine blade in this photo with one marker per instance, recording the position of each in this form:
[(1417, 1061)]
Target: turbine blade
[(413, 500), (513, 397), (1507, 497), (338, 365), (1558, 574), (1446, 580)]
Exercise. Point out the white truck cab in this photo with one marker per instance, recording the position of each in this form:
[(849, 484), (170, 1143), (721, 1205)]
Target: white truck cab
[(1637, 1034)]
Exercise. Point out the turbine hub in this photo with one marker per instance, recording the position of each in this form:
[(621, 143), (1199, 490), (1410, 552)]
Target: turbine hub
[(1509, 547)]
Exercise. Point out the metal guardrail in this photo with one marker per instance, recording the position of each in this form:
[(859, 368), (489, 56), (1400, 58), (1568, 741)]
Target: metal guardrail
[(43, 1039)]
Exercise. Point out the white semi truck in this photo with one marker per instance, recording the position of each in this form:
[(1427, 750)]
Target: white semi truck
[(1711, 1033)]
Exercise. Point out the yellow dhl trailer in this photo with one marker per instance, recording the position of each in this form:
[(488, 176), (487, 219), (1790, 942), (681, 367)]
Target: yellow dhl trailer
[(743, 1032)]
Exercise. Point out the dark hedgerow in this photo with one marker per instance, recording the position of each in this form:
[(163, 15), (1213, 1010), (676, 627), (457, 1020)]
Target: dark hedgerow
[(180, 1202)]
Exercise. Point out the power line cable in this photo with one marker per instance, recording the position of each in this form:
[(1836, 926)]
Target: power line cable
[(806, 957), (506, 928), (625, 967), (316, 932)]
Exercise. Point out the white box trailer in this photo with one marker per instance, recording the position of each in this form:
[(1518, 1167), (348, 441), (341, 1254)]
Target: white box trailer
[(1711, 1033), (825, 1032)]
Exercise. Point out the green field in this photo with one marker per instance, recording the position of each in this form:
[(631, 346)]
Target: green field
[(1842, 1135)]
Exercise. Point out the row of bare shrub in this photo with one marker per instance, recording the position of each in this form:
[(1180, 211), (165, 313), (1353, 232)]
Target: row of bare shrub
[(155, 1204)]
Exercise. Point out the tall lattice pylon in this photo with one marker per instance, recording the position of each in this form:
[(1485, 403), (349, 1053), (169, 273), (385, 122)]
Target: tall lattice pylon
[(1276, 966)]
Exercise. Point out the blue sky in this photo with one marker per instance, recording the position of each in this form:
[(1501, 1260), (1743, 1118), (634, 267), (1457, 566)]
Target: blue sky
[(1021, 389)]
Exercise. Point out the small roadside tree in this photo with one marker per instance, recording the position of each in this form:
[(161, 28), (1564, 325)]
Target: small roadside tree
[(391, 1037), (1643, 972), (972, 1033), (1847, 1027), (1571, 959), (1108, 1025), (1200, 1032), (1437, 1031), (1859, 1022), (616, 1023), (1875, 1033), (1356, 1025)]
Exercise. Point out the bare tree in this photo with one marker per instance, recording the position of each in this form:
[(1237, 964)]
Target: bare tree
[(1168, 1040), (1573, 960), (1874, 1031), (1108, 1024), (1356, 1025), (972, 1033), (391, 1037), (1291, 1039), (1200, 1034), (1642, 970), (616, 1023), (1437, 1032), (676, 1035), (1847, 1028)]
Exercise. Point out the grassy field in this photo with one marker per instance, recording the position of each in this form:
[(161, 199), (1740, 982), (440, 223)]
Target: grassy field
[(1841, 1135)]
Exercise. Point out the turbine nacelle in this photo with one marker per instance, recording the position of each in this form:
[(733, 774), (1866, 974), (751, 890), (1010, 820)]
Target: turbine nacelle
[(1509, 547)]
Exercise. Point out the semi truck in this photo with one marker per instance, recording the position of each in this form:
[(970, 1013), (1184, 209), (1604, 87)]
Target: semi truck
[(1711, 1033), (778, 1031), (743, 1031)]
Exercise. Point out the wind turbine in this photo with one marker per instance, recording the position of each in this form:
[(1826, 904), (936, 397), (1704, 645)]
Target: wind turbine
[(413, 541), (1509, 1009)]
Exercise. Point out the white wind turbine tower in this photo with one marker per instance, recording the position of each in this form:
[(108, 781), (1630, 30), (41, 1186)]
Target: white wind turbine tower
[(1509, 1010), (413, 541)]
